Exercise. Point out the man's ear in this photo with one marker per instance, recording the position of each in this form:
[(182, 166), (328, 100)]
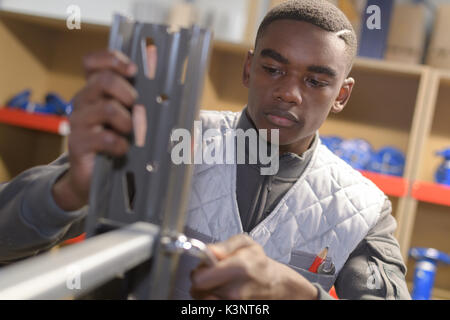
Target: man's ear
[(344, 95), (246, 71)]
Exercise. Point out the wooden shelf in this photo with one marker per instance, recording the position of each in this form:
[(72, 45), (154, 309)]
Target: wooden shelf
[(234, 48), (390, 185), (430, 230), (35, 121), (427, 219), (437, 135), (431, 192)]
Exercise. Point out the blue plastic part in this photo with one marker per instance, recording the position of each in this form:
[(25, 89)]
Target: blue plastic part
[(356, 152), (424, 275), (442, 174), (388, 160), (45, 109), (332, 142), (425, 270), (444, 153), (20, 100), (54, 104), (419, 253)]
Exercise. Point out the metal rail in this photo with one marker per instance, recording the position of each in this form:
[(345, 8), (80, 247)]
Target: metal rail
[(77, 269)]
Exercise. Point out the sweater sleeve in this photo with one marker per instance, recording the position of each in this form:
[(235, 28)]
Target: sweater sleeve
[(30, 220), (375, 269)]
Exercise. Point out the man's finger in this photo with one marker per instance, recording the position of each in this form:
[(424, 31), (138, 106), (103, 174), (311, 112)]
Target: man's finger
[(223, 272), (110, 84), (97, 140), (115, 61), (109, 142), (230, 246), (106, 112)]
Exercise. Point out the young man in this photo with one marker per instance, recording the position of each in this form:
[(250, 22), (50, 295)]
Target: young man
[(296, 75)]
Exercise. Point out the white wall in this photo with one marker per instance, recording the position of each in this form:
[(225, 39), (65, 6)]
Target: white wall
[(229, 17), (98, 11)]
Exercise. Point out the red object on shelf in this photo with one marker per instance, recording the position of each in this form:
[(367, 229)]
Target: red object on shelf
[(80, 238), (431, 192), (36, 121), (390, 185)]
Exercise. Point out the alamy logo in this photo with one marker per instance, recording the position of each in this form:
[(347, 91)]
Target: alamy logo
[(73, 277), (373, 21), (234, 146), (74, 17), (374, 280)]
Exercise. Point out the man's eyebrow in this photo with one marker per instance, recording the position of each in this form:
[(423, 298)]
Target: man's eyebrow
[(274, 55), (324, 70), (270, 53)]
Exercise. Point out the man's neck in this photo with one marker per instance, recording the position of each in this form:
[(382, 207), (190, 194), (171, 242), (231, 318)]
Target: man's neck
[(298, 148)]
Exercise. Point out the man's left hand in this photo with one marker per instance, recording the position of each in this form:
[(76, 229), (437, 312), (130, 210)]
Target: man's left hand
[(244, 271)]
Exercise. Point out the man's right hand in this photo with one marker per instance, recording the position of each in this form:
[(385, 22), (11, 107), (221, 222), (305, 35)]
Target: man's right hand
[(98, 124)]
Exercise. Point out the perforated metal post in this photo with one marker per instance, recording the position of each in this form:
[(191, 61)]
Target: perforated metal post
[(145, 185)]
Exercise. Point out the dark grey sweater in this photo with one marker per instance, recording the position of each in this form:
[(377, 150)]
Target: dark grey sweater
[(257, 195)]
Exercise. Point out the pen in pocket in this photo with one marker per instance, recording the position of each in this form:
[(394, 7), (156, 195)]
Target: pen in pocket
[(319, 259), (318, 266)]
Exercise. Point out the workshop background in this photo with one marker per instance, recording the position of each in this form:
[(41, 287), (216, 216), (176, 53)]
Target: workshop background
[(395, 130)]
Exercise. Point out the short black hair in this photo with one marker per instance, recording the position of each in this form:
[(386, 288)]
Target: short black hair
[(320, 13)]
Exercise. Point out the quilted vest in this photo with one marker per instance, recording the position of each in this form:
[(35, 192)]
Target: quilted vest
[(331, 205)]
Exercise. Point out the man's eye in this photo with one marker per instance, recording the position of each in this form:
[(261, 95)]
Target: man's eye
[(272, 71), (316, 83)]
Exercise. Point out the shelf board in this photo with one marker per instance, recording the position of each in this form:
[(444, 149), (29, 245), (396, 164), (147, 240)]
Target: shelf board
[(382, 66), (390, 185), (431, 192), (389, 67), (236, 48), (41, 122), (444, 74)]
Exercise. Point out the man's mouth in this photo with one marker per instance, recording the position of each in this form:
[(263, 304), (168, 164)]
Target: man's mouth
[(281, 118)]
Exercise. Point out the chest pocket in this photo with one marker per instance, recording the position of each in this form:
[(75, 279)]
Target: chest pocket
[(301, 261)]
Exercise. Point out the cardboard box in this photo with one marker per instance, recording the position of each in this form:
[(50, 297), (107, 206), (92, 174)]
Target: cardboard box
[(407, 34), (439, 50)]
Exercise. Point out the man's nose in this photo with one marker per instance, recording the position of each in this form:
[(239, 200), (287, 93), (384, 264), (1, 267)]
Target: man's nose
[(289, 91)]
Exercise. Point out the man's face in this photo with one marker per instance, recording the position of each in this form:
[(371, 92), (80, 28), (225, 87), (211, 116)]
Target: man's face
[(295, 77)]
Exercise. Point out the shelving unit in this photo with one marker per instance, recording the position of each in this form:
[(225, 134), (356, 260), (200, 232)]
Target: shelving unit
[(390, 185), (50, 60), (29, 139), (47, 123), (223, 85), (431, 193), (405, 106), (428, 223)]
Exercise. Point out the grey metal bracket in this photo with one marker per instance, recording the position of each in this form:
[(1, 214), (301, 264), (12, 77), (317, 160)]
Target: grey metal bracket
[(179, 244), (145, 185)]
